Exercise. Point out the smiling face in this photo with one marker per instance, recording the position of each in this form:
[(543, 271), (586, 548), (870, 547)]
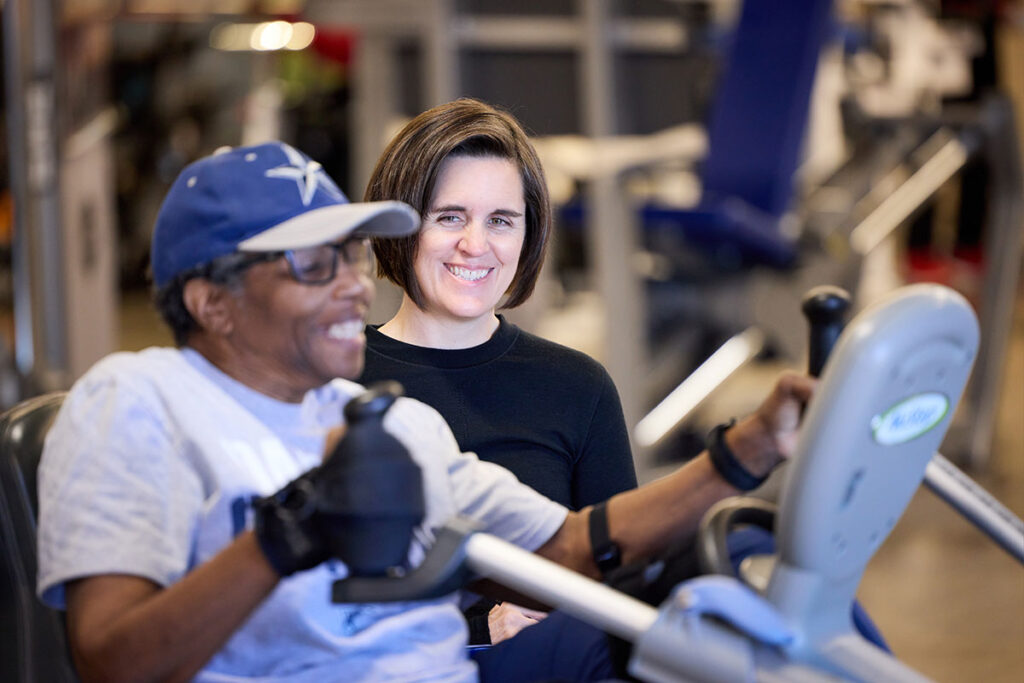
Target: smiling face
[(471, 238), (284, 338)]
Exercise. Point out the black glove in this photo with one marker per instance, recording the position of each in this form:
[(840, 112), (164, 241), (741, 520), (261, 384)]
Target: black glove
[(287, 526), (360, 506)]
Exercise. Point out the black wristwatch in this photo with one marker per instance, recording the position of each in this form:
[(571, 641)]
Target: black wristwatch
[(726, 463), (607, 555)]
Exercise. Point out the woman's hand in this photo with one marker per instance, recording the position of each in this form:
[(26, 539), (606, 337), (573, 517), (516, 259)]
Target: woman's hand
[(768, 436), (505, 620)]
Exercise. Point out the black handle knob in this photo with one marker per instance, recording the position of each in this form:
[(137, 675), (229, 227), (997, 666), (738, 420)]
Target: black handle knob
[(371, 489), (825, 308)]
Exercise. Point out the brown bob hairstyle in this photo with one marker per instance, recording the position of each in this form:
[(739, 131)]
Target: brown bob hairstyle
[(407, 171)]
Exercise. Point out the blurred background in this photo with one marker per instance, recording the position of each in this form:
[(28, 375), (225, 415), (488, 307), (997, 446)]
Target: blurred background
[(709, 161)]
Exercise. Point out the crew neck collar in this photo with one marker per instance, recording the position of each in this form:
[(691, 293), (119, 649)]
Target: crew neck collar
[(496, 346)]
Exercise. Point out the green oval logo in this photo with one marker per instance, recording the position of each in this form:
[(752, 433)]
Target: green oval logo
[(910, 418)]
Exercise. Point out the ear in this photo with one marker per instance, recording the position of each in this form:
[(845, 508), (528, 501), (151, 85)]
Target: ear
[(211, 305)]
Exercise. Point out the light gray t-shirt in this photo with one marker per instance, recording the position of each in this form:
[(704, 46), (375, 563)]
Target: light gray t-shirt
[(150, 469)]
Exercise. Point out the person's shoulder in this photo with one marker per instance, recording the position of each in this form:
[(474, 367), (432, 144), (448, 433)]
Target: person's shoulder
[(533, 342), (129, 375), (121, 392), (125, 366), (561, 358)]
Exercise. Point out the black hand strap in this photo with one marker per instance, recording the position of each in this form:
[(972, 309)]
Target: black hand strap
[(606, 552), (725, 461), (286, 528)]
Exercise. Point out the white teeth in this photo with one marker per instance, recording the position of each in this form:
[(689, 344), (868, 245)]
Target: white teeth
[(467, 274), (350, 329)]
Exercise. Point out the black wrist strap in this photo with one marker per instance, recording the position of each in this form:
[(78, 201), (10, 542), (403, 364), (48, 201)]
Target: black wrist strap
[(725, 461), (606, 552), (286, 527)]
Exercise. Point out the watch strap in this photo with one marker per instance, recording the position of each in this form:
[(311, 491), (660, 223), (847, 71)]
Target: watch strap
[(606, 553), (725, 461)]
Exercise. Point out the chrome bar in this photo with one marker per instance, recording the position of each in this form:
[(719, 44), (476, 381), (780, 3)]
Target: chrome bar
[(909, 196), (976, 504), (675, 408), (554, 585)]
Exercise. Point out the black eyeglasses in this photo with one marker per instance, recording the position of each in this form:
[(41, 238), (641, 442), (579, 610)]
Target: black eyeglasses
[(319, 265)]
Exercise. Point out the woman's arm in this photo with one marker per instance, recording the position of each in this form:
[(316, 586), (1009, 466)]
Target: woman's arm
[(604, 464), (647, 520)]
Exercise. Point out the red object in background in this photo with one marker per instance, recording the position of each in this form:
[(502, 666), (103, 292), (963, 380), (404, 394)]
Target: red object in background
[(330, 42), (925, 265), (964, 270), (335, 44)]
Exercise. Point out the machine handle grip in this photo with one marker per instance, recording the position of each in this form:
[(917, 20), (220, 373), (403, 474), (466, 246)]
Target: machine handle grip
[(825, 308)]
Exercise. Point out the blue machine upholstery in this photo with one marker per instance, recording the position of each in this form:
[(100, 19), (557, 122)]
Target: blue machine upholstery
[(759, 114), (755, 133)]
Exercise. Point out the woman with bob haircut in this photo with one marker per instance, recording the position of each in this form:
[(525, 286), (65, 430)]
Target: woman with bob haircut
[(549, 414)]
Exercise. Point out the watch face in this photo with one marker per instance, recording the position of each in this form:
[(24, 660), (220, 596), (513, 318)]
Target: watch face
[(606, 553), (607, 557)]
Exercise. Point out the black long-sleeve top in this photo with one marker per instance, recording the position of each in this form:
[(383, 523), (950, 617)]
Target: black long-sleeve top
[(549, 414)]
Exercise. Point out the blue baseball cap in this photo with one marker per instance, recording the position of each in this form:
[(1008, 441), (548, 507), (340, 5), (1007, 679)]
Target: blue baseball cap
[(268, 197)]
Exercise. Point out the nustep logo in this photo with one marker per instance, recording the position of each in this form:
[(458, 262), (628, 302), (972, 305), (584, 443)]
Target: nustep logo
[(910, 418)]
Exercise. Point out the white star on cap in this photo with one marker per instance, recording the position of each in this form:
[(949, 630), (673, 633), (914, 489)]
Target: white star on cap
[(306, 173)]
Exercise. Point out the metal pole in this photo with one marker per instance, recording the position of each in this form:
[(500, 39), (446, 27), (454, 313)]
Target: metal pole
[(976, 505), (1003, 251), (373, 105), (41, 352), (611, 225), (442, 53), (909, 196), (18, 160), (598, 69)]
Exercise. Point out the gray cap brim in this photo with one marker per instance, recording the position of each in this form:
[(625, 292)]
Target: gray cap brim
[(332, 223)]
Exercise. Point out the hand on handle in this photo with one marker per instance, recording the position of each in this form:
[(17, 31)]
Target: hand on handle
[(361, 505)]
